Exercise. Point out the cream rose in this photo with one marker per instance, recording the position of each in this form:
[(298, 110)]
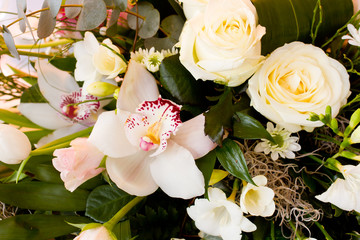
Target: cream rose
[(223, 42), (193, 7), (297, 79)]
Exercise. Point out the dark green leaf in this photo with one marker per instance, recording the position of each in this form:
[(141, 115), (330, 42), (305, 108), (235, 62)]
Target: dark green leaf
[(206, 165), (122, 230), (105, 201), (179, 82), (232, 159), (33, 95), (247, 127), (16, 119), (112, 23), (38, 226), (46, 22), (151, 22), (309, 182), (290, 20), (89, 18), (65, 64), (44, 172), (72, 12), (219, 116), (43, 196), (9, 41)]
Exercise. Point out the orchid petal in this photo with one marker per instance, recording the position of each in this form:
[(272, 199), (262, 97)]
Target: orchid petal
[(54, 83), (176, 173), (138, 86), (132, 173), (43, 115), (192, 137), (109, 136)]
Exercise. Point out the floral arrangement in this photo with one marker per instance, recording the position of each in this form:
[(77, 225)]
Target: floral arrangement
[(191, 119)]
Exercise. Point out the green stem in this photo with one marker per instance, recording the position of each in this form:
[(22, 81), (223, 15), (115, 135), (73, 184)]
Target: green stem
[(316, 159), (292, 225), (44, 45), (122, 212), (322, 229), (236, 187), (26, 53), (21, 168), (87, 101), (49, 150)]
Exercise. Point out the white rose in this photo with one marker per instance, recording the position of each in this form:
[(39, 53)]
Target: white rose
[(193, 7), (223, 43), (297, 79), (14, 145)]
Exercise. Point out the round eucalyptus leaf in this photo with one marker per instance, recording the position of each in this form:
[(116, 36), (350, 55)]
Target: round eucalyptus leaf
[(92, 15), (46, 22), (54, 6), (9, 41), (72, 12), (149, 25)]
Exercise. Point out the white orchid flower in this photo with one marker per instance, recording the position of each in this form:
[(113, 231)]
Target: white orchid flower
[(61, 113), (257, 200), (218, 216), (354, 37), (139, 139), (344, 193)]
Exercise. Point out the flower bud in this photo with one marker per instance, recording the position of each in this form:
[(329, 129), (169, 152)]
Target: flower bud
[(354, 119), (14, 145), (101, 89), (355, 136), (95, 232)]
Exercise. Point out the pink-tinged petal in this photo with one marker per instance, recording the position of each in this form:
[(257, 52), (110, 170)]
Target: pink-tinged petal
[(109, 136), (78, 163), (176, 173), (192, 137), (132, 173), (54, 83), (138, 86), (59, 133), (43, 115)]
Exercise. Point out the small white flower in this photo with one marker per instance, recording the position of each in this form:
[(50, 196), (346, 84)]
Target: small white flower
[(168, 53), (219, 216), (354, 37), (344, 193), (153, 61), (257, 200), (139, 55), (285, 144)]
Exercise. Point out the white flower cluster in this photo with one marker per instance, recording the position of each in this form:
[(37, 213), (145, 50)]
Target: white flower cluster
[(152, 59)]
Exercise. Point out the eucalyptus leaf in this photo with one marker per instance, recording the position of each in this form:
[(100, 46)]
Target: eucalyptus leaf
[(92, 15), (9, 41), (179, 82), (247, 127), (54, 6), (151, 22), (21, 9), (47, 22), (121, 4), (73, 12), (232, 159), (16, 119), (43, 196), (38, 226), (105, 201), (206, 165), (112, 23)]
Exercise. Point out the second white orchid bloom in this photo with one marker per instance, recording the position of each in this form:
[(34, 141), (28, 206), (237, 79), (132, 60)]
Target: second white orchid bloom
[(257, 200), (139, 139)]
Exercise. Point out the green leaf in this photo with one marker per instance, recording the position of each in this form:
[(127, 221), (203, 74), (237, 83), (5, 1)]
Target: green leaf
[(290, 20), (65, 64), (89, 18), (206, 165), (43, 196), (35, 136), (16, 119), (38, 226), (232, 159), (219, 117), (151, 22), (122, 230), (47, 22), (33, 95), (247, 127), (179, 82), (105, 201)]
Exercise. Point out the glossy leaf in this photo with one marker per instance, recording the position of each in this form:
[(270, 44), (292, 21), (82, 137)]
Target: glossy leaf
[(206, 165), (66, 64), (72, 12), (290, 20), (16, 119), (151, 22), (122, 230), (247, 127), (179, 82), (92, 15), (105, 201), (38, 226), (232, 159), (47, 22), (43, 196), (9, 41), (33, 95)]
